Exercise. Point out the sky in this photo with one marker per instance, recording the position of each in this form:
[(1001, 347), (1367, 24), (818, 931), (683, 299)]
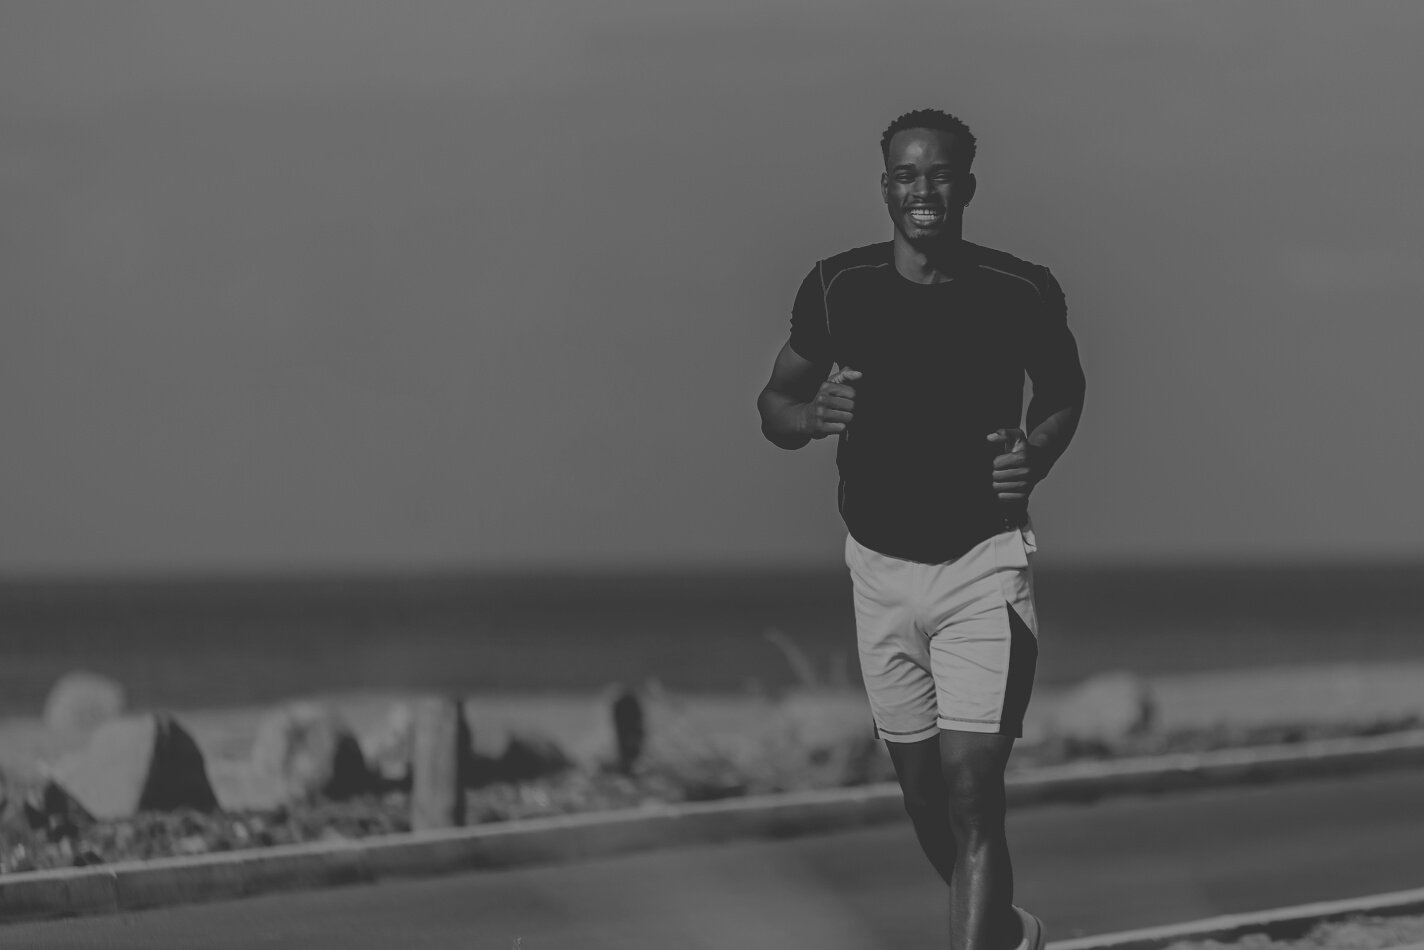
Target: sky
[(337, 284)]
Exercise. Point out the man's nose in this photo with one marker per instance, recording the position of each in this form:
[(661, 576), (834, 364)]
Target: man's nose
[(922, 185)]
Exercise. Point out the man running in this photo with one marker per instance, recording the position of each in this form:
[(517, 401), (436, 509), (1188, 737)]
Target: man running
[(931, 336)]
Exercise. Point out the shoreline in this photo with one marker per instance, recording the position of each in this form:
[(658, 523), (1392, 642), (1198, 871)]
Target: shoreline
[(1237, 726), (1337, 694)]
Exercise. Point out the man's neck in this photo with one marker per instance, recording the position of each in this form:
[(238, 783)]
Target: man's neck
[(928, 262)]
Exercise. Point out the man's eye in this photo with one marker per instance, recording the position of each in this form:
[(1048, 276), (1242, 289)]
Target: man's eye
[(904, 179)]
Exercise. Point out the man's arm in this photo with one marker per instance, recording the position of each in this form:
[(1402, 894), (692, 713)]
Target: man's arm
[(1051, 436), (1026, 463), (1058, 383), (799, 404), (1058, 388)]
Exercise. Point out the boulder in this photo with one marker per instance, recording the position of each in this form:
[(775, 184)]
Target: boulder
[(500, 753), (528, 756), (137, 763), (49, 808), (610, 733), (241, 786), (708, 750), (312, 751), (630, 729), (822, 717), (388, 747), (80, 701), (1106, 708)]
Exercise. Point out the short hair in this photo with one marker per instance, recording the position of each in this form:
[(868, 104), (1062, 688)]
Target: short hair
[(931, 119)]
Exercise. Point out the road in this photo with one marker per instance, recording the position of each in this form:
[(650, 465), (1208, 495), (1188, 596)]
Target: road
[(1086, 869)]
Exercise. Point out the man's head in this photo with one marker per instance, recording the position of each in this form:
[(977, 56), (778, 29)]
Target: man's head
[(927, 181)]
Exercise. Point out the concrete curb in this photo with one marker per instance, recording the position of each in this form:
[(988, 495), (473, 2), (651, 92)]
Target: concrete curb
[(1280, 924), (171, 881), (1160, 773)]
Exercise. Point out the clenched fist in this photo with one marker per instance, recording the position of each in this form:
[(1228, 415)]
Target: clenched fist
[(833, 406), (1018, 469)]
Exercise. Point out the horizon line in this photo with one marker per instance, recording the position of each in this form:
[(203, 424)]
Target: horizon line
[(594, 572)]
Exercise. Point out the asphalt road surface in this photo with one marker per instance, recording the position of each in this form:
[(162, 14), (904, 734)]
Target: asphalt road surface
[(1085, 869)]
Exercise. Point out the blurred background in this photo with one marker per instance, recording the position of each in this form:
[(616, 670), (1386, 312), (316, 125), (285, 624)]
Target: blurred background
[(369, 351), (358, 345)]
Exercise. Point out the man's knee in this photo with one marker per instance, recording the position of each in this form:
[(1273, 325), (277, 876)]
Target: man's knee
[(977, 804), (917, 768), (973, 775), (927, 800)]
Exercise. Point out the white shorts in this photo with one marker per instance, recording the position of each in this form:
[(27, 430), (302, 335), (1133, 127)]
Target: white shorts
[(947, 646)]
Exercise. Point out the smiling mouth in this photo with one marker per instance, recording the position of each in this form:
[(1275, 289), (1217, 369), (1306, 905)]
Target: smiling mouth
[(926, 217)]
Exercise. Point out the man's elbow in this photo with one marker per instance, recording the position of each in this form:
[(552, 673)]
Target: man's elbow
[(773, 423), (783, 441), (780, 437), (1063, 407)]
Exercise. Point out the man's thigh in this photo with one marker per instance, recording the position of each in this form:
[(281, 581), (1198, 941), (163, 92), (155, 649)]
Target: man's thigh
[(917, 769), (983, 645), (893, 648), (948, 646)]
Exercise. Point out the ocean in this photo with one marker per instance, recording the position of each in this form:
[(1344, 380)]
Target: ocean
[(179, 644)]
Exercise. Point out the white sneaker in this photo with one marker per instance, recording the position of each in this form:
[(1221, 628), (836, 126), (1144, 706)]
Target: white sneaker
[(1033, 932)]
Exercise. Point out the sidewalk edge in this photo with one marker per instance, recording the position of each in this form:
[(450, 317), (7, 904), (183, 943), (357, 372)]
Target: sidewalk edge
[(1280, 923), (181, 880)]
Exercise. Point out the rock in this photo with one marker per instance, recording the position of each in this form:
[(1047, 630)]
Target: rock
[(312, 751), (821, 718), (1106, 708), (137, 763), (506, 746), (387, 748), (49, 809), (530, 756), (241, 786), (629, 728), (612, 733), (79, 702), (499, 753)]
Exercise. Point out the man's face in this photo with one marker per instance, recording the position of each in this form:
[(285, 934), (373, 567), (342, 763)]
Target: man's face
[(925, 184)]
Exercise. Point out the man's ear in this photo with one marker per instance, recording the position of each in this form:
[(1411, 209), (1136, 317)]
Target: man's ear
[(971, 184), (884, 186)]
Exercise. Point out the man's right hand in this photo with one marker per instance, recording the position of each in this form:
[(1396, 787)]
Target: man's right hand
[(831, 410)]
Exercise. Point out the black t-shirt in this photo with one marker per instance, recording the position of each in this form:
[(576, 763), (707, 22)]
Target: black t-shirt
[(943, 367)]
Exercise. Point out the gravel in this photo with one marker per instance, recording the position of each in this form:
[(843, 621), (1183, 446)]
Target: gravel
[(1355, 933)]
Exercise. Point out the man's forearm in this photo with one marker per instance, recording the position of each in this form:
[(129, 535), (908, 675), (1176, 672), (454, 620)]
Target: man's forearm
[(783, 419), (1052, 435)]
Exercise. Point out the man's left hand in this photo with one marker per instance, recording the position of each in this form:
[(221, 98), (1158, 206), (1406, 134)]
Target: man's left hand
[(1019, 469)]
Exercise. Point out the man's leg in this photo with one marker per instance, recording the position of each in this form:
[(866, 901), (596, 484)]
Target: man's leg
[(895, 665), (917, 767), (982, 891), (984, 653)]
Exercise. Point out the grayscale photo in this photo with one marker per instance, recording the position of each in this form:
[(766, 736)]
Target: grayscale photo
[(740, 476)]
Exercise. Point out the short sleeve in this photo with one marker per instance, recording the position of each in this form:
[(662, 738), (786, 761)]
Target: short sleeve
[(1053, 363), (810, 336)]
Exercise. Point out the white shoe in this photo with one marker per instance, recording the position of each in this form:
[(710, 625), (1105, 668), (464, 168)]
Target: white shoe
[(1033, 932)]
